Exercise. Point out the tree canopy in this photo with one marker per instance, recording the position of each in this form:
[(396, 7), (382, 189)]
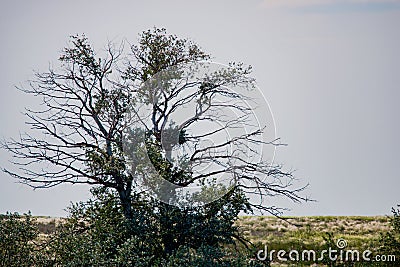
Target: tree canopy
[(159, 132)]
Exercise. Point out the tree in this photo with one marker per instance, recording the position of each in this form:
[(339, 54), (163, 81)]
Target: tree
[(94, 129)]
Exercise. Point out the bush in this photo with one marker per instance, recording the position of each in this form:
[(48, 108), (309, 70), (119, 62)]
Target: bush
[(17, 233), (390, 241), (97, 234)]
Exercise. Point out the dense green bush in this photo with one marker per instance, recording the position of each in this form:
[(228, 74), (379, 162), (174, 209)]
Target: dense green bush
[(390, 241), (97, 234), (17, 233)]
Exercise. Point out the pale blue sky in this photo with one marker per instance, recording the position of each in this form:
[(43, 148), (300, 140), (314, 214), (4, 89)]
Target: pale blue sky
[(330, 70)]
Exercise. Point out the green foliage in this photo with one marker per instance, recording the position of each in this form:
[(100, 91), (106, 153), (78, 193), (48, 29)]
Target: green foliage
[(16, 236), (390, 241), (94, 234), (97, 234), (158, 50)]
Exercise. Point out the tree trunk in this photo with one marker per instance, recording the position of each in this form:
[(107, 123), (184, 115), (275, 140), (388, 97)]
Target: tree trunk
[(126, 204)]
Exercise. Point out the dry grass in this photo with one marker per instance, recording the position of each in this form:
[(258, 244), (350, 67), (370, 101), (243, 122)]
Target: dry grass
[(47, 225), (310, 232)]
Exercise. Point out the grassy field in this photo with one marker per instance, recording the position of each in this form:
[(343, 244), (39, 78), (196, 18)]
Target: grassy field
[(314, 232), (292, 232)]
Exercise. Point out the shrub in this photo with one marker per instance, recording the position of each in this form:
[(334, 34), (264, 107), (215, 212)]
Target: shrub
[(390, 241), (97, 234), (17, 233)]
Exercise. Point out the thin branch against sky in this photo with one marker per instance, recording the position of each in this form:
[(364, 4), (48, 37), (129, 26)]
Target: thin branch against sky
[(330, 75)]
